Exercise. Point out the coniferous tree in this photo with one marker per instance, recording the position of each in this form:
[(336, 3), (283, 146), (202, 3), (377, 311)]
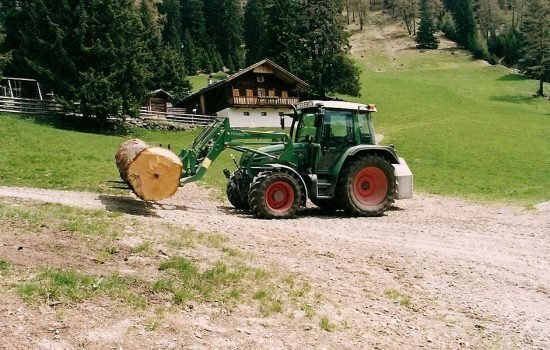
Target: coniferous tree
[(163, 59), (323, 48), (194, 21), (224, 27), (4, 57), (172, 29), (94, 52), (425, 37), (255, 30), (535, 33), (448, 25), (283, 35), (467, 33), (194, 36), (190, 53)]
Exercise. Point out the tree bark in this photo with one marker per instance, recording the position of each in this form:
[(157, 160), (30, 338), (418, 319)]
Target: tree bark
[(153, 173)]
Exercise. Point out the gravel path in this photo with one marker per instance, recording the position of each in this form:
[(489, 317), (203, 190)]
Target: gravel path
[(433, 272)]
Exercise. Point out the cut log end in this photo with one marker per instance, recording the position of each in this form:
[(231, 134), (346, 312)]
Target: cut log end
[(153, 173)]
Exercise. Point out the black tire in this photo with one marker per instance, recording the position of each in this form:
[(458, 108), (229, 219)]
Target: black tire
[(237, 193), (367, 186), (275, 195), (325, 204)]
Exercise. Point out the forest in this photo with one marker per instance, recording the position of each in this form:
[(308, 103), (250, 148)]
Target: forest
[(107, 54)]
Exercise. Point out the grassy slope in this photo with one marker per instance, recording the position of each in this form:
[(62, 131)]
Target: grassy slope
[(465, 128), (37, 154)]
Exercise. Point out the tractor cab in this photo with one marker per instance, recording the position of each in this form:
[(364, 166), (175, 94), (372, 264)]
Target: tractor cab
[(329, 128), (333, 123)]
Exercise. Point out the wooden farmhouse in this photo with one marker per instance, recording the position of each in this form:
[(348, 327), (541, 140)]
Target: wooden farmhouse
[(253, 97)]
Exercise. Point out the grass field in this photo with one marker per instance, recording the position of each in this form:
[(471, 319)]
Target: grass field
[(466, 129), (43, 152)]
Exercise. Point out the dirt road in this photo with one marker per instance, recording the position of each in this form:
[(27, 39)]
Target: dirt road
[(433, 272)]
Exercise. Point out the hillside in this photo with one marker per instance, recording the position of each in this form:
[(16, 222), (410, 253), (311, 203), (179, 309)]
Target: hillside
[(466, 128)]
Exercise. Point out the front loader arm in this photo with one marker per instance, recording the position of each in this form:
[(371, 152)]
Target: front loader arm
[(217, 137)]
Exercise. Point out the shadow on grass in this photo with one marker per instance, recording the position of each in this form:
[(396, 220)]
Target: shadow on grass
[(74, 123), (128, 205), (512, 77), (517, 99)]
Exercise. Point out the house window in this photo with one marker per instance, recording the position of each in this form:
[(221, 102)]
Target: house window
[(261, 92), (264, 114), (246, 114), (271, 93), (284, 94), (249, 93), (236, 93), (260, 79)]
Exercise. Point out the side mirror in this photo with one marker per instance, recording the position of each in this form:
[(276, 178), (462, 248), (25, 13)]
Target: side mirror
[(283, 122), (319, 117)]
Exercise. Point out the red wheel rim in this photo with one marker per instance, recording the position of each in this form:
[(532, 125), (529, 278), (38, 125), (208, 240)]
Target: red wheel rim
[(370, 186), (279, 196)]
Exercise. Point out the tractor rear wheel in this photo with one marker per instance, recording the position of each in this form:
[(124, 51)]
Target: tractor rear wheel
[(367, 186), (275, 195), (237, 192)]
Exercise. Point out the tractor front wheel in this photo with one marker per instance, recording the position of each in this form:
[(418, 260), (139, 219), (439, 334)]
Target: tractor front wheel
[(275, 195), (367, 186), (237, 192)]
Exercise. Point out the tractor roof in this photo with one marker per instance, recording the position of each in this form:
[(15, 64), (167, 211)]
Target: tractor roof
[(337, 105)]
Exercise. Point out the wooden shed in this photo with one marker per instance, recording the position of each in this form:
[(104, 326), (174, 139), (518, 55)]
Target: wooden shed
[(158, 100)]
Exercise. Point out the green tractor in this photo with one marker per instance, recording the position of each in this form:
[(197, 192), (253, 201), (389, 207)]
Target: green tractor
[(330, 156)]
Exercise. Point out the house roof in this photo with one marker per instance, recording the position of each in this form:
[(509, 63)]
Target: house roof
[(160, 93), (279, 71)]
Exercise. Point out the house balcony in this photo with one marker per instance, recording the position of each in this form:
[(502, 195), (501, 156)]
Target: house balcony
[(264, 101)]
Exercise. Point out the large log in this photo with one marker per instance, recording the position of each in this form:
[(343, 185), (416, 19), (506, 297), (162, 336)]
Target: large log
[(153, 173)]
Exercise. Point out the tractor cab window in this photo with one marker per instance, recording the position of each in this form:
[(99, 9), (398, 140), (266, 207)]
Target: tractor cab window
[(365, 127), (306, 127), (337, 128)]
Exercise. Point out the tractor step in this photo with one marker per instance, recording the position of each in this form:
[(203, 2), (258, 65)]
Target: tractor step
[(323, 188)]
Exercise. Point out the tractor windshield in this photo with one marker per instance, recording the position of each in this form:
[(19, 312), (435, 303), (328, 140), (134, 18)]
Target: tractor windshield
[(306, 127)]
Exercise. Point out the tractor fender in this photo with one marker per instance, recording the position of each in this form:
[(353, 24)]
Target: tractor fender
[(290, 169), (382, 151)]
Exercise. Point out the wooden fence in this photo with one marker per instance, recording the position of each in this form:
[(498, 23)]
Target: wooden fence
[(176, 115), (29, 106), (37, 107)]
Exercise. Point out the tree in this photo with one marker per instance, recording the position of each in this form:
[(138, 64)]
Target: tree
[(255, 30), (467, 33), (284, 38), (448, 25), (172, 16), (4, 57), (408, 11), (323, 47), (426, 32), (88, 51), (225, 30), (489, 17), (165, 63), (535, 33)]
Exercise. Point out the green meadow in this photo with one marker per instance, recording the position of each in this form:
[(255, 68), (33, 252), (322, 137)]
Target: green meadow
[(48, 153), (466, 129)]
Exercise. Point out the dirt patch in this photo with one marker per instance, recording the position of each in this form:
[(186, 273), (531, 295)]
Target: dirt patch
[(433, 272)]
